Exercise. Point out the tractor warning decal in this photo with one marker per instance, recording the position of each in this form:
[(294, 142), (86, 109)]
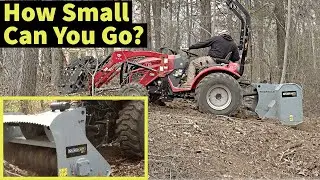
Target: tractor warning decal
[(63, 172), (79, 150)]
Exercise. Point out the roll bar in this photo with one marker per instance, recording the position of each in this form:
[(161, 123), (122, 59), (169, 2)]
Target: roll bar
[(235, 7)]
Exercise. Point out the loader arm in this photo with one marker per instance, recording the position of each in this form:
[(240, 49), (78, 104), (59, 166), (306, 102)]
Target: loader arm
[(111, 69)]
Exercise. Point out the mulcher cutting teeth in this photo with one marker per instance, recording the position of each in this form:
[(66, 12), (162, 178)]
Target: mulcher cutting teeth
[(61, 149)]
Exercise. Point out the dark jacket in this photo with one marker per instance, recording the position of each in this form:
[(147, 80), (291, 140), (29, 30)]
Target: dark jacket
[(221, 46)]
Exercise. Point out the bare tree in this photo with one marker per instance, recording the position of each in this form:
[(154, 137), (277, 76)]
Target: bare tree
[(156, 8), (46, 63), (1, 60), (148, 21), (29, 75), (189, 21), (280, 22), (285, 61), (29, 72), (177, 43), (205, 19), (57, 65)]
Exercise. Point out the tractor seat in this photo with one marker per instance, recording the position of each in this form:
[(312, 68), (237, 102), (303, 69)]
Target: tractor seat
[(226, 60), (219, 62)]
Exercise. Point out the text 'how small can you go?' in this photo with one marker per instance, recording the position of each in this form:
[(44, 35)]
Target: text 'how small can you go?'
[(70, 24)]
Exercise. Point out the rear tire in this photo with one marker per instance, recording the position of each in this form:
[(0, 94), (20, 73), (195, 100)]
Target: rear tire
[(130, 129), (219, 94)]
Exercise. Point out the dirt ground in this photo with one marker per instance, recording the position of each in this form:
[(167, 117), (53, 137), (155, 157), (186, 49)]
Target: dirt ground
[(187, 144)]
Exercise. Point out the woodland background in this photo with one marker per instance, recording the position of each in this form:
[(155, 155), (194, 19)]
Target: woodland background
[(176, 23)]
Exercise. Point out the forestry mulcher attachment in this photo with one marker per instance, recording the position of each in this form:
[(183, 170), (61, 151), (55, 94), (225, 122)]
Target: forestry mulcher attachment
[(71, 139), (217, 89)]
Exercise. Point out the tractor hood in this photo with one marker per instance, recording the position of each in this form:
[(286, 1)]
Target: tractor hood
[(150, 60)]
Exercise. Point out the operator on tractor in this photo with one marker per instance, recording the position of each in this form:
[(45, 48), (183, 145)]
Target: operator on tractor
[(221, 46)]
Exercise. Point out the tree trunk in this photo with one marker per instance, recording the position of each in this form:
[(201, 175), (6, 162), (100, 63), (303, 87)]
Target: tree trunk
[(285, 60), (205, 23), (1, 60), (46, 64), (213, 19), (142, 17), (170, 39), (280, 19), (13, 61), (73, 56), (29, 72), (205, 19), (260, 46), (57, 65), (148, 18), (177, 44), (156, 8), (189, 21)]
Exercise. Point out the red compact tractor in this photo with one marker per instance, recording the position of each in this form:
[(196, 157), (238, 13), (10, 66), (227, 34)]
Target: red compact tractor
[(159, 75)]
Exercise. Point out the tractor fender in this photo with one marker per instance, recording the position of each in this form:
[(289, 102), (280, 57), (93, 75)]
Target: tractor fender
[(215, 69)]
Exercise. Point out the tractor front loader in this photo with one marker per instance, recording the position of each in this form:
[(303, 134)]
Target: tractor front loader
[(71, 139)]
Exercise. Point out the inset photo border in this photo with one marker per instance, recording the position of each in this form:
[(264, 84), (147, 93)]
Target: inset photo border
[(74, 137)]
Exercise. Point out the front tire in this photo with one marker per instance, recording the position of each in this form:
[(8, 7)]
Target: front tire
[(130, 129), (133, 89), (219, 94)]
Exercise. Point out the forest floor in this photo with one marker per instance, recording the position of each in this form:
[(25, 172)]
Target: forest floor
[(187, 144)]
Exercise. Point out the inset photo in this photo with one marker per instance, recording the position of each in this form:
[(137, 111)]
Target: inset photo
[(75, 137)]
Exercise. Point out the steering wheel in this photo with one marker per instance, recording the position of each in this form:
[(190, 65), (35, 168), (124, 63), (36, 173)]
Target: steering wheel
[(171, 50), (189, 53)]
